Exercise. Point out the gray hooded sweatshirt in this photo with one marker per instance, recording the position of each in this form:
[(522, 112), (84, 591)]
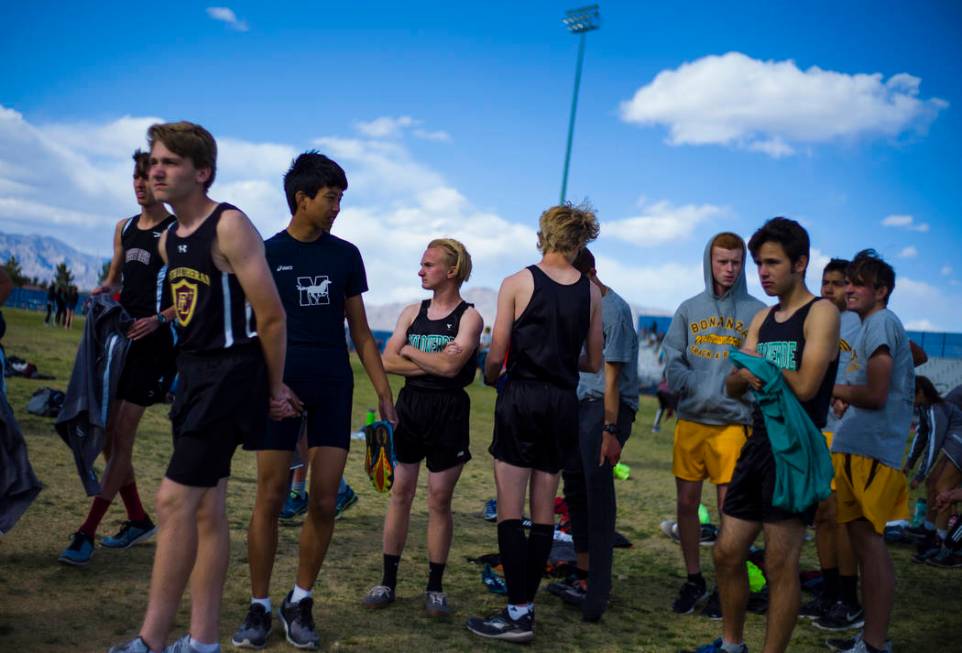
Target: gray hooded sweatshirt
[(702, 331)]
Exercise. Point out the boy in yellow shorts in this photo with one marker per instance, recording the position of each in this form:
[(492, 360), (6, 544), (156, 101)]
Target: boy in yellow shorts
[(868, 446), (711, 426)]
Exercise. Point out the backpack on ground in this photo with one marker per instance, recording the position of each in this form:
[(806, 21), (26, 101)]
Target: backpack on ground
[(46, 402)]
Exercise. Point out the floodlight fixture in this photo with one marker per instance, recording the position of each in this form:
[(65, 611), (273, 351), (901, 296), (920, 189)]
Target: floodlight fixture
[(583, 19), (578, 21)]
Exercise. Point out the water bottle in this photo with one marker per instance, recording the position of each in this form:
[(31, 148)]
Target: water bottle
[(920, 509)]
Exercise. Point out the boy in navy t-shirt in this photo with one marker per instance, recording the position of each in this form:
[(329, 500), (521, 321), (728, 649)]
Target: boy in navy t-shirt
[(320, 279)]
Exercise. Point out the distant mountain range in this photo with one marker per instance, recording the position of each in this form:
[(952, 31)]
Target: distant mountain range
[(40, 255)]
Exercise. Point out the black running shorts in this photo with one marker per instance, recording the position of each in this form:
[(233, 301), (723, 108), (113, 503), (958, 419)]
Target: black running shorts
[(752, 486), (535, 425), (149, 369), (327, 413), (222, 401), (433, 425)]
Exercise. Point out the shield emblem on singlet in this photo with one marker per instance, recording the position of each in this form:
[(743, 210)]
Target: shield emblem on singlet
[(185, 300)]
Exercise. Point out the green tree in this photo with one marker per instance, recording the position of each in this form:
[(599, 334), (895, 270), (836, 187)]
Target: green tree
[(15, 272), (104, 271), (63, 277)]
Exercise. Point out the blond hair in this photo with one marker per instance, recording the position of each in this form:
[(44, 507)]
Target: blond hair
[(457, 257), (567, 228), (188, 140)]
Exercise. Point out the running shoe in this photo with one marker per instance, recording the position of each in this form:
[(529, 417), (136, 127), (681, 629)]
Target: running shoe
[(490, 512), (298, 620), (344, 501), (816, 608), (502, 626), (294, 505), (379, 596), (854, 645), (946, 559), (379, 458), (255, 630), (136, 645), (80, 550), (689, 596), (709, 532), (559, 587), (182, 645), (712, 609), (715, 647), (436, 604), (129, 534), (576, 594), (841, 616), (927, 548)]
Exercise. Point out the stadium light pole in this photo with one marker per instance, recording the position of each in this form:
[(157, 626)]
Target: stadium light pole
[(578, 21)]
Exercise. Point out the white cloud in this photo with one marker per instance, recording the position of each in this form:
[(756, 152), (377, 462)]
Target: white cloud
[(660, 223), (909, 252), (664, 286), (905, 222), (227, 15), (395, 127), (735, 100), (946, 270), (439, 136), (920, 325)]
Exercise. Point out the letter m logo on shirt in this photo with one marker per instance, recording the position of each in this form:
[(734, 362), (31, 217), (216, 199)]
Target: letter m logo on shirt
[(313, 291)]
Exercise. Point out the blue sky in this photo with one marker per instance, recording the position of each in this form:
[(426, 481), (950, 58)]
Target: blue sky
[(450, 118)]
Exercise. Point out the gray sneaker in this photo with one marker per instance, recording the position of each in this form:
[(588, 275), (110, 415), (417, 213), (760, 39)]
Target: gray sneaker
[(182, 645), (436, 604), (136, 645), (298, 620), (255, 630), (380, 596)]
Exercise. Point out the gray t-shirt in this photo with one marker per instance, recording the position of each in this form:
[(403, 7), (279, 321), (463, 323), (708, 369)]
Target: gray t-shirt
[(880, 434), (849, 327), (621, 346)]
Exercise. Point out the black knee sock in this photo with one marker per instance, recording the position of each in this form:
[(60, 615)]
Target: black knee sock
[(539, 548), (512, 547), (848, 590), (435, 574), (830, 584), (390, 570)]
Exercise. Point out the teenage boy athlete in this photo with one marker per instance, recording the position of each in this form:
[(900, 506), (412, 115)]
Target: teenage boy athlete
[(230, 378), (547, 314), (711, 426), (607, 402), (800, 336), (434, 346), (137, 270), (837, 606), (868, 447), (320, 279)]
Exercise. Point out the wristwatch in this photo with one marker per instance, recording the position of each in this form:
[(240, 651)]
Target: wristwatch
[(161, 320), (610, 428)]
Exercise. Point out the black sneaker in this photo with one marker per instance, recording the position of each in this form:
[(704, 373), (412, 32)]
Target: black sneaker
[(816, 608), (298, 620), (712, 608), (690, 595), (841, 616), (575, 594), (841, 643), (558, 588), (502, 626), (256, 629), (927, 548), (945, 558)]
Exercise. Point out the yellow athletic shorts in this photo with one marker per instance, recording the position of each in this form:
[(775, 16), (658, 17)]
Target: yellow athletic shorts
[(707, 451), (828, 440), (867, 489)]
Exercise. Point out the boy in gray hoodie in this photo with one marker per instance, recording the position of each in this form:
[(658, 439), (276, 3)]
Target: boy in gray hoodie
[(711, 426)]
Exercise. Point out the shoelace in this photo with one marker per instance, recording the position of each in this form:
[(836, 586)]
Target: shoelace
[(381, 591)]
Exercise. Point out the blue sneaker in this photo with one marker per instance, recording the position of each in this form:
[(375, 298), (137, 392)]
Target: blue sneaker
[(136, 645), (715, 647), (79, 552), (345, 500), (129, 534), (490, 512), (294, 505), (182, 645)]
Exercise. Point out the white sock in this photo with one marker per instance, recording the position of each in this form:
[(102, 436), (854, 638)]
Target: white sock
[(299, 594), (928, 525), (728, 647), (200, 647), (518, 611), (266, 602)]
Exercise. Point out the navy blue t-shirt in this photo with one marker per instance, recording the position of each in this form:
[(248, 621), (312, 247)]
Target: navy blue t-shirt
[(314, 279)]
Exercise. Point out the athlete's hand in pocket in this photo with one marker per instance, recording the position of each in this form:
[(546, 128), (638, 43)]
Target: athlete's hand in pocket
[(610, 450), (285, 404), (385, 406), (142, 327)]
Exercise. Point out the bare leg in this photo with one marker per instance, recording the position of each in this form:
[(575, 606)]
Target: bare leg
[(399, 507), (731, 551), (689, 530), (272, 469), (210, 570), (949, 478), (119, 471), (177, 508), (440, 522), (783, 545), (826, 540), (327, 466), (878, 580), (512, 483)]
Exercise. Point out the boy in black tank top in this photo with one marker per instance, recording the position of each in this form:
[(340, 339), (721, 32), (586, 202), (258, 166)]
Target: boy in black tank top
[(230, 381), (320, 278), (800, 336), (546, 314), (434, 346), (137, 270)]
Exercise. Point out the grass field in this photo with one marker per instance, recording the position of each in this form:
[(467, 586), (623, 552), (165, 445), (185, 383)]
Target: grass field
[(48, 607)]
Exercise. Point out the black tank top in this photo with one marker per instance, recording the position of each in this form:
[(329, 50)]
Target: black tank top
[(547, 338), (431, 336), (212, 310), (783, 343), (143, 271)]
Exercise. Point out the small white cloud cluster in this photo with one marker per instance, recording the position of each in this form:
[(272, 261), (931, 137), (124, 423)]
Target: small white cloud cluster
[(226, 15), (905, 222), (661, 223), (395, 127)]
